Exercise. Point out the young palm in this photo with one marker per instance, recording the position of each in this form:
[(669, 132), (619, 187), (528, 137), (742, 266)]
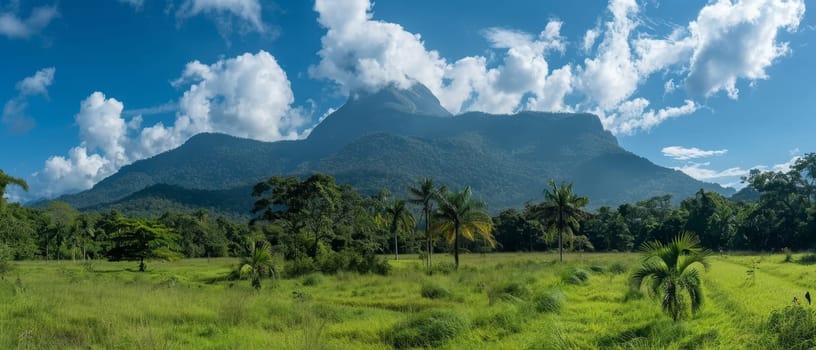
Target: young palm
[(561, 211), (257, 265), (400, 218), (6, 180), (670, 270), (424, 195), (461, 216)]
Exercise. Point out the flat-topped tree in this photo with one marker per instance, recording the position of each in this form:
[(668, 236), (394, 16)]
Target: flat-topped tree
[(139, 239), (6, 180)]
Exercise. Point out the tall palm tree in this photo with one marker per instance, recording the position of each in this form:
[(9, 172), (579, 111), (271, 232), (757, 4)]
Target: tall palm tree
[(561, 211), (257, 265), (461, 216), (400, 218), (423, 195), (6, 180), (671, 269)]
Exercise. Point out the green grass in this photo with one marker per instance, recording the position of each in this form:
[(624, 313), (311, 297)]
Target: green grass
[(495, 301)]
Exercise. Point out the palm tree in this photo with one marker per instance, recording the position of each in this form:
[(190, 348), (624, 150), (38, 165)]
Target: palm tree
[(424, 195), (257, 265), (671, 269), (461, 216), (561, 211), (400, 219), (6, 180)]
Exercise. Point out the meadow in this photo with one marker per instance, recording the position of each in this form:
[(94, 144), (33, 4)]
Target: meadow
[(495, 301)]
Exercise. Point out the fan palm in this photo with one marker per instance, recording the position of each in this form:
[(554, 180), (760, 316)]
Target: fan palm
[(670, 270), (561, 211), (424, 195), (6, 180), (400, 218), (257, 265), (461, 216)]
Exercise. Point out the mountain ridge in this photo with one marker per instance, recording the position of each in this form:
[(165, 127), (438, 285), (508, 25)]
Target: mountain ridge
[(394, 137)]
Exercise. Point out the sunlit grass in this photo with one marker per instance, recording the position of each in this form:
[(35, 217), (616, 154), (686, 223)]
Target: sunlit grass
[(188, 304)]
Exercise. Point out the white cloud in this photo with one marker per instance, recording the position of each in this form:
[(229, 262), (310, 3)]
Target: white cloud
[(137, 4), (15, 27), (249, 11), (14, 111), (736, 40), (683, 153), (38, 83), (245, 96), (697, 171), (709, 54)]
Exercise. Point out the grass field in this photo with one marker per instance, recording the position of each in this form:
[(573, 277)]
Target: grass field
[(495, 301)]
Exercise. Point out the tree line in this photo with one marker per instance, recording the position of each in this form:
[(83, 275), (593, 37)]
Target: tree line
[(317, 224)]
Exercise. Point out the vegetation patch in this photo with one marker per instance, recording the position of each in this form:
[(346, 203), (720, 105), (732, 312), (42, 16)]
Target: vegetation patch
[(434, 291), (511, 290), (549, 300), (431, 328), (793, 327), (575, 276)]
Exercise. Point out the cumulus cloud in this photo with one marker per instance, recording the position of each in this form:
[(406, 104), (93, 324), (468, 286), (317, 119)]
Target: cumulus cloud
[(15, 27), (137, 4), (245, 96), (360, 53), (14, 116), (727, 41), (736, 40), (248, 11), (699, 172), (683, 153)]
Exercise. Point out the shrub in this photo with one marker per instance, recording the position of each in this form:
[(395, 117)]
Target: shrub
[(5, 258), (575, 276), (504, 321), (300, 266), (808, 259), (793, 327), (312, 279), (548, 301), (330, 262), (617, 268), (788, 254), (434, 291), (507, 291), (427, 329), (598, 268)]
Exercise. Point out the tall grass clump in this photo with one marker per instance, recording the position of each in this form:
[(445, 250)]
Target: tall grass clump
[(434, 291), (508, 291), (617, 268), (427, 329), (549, 300), (793, 327), (576, 276)]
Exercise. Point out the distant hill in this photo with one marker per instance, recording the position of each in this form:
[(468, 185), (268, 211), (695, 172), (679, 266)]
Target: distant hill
[(390, 139)]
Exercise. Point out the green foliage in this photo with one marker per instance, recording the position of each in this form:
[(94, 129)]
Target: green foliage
[(136, 239), (509, 290), (312, 279), (561, 212), (5, 258), (426, 329), (618, 268), (434, 291), (793, 327), (460, 216), (670, 272), (258, 264), (549, 300), (575, 276)]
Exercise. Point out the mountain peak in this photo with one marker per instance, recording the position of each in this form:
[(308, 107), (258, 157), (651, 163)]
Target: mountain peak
[(417, 99)]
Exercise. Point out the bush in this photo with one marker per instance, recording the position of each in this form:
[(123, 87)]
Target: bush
[(312, 280), (300, 266), (575, 276), (507, 291), (548, 301), (5, 258), (329, 262), (808, 259), (434, 291), (793, 327), (598, 268), (788, 254), (427, 329), (617, 268)]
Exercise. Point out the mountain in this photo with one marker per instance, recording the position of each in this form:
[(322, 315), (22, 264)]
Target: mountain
[(390, 139)]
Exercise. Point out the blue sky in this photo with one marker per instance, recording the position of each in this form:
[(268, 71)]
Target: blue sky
[(712, 88)]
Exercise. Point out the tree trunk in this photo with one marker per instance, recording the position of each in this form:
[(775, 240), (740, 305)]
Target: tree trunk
[(141, 265), (456, 247), (396, 246), (560, 245), (428, 237), (84, 252)]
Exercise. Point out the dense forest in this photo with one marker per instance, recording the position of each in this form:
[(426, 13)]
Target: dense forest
[(317, 224)]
